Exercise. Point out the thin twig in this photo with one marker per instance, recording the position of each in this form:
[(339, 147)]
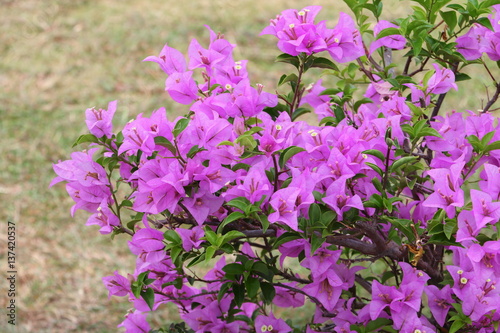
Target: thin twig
[(493, 99), (363, 283)]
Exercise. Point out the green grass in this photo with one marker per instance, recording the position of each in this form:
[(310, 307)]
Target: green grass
[(58, 58)]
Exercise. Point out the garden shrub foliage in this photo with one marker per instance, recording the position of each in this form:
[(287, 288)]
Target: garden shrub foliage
[(384, 216)]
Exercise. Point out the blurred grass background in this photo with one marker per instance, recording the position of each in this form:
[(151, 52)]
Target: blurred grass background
[(58, 58)]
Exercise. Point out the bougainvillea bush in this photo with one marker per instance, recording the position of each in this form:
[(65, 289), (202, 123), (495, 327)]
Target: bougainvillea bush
[(379, 215)]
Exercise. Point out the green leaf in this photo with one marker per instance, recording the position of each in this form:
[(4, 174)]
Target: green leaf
[(450, 18), (174, 253), (246, 140), (299, 112), (485, 140), (402, 161), (226, 143), (164, 142), (230, 236), (339, 113), (419, 27), (138, 284), (268, 292), (461, 77), (386, 276), (287, 78), (172, 236), (180, 126), (213, 87), (458, 308), (142, 277), (403, 225), (355, 6), (210, 236), (234, 268), (492, 146), (330, 91), (316, 242), (429, 131), (248, 264), (239, 294), (378, 185), (85, 138), (289, 153), (321, 62), (485, 22), (314, 212), (361, 102), (408, 129), (488, 3), (252, 286), (457, 7), (417, 111), (376, 168), (223, 290), (450, 227), (441, 239), (327, 217), (289, 59), (376, 153), (352, 69), (388, 32), (230, 218), (196, 260), (239, 166), (374, 325), (241, 203), (119, 138), (126, 203), (209, 253), (457, 324), (275, 111), (416, 46), (475, 143), (262, 270), (387, 205), (264, 221), (194, 150), (328, 120), (357, 328), (148, 296)]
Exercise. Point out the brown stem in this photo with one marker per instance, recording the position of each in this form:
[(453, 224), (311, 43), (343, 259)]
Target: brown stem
[(298, 91), (257, 233), (407, 65), (291, 277), (435, 27), (435, 111), (489, 73), (187, 212), (363, 283), (125, 230), (421, 68), (493, 99), (365, 71), (275, 163)]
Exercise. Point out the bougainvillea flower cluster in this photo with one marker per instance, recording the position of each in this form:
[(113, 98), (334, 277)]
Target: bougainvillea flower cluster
[(384, 215)]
